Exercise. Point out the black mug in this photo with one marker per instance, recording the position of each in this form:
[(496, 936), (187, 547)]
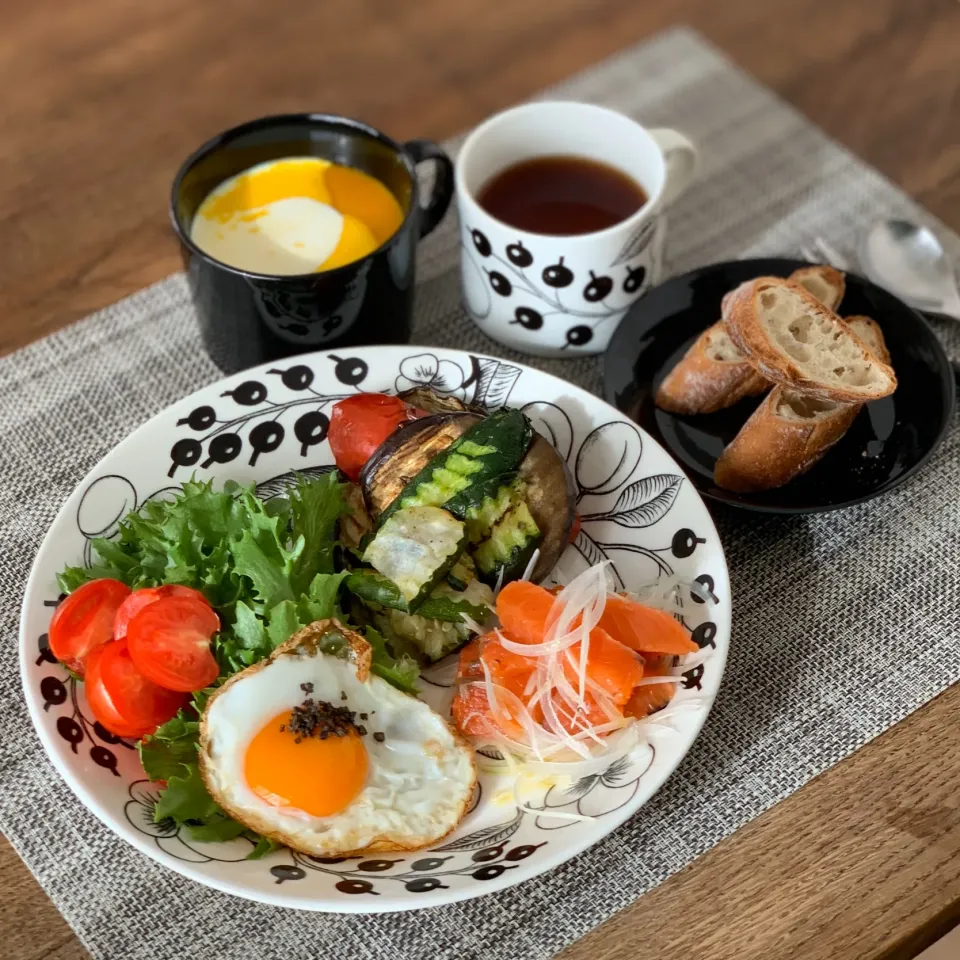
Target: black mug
[(249, 318)]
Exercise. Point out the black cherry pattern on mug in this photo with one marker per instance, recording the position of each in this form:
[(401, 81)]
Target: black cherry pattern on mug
[(516, 272)]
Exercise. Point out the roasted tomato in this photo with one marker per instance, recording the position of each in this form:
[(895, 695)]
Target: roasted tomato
[(359, 424)]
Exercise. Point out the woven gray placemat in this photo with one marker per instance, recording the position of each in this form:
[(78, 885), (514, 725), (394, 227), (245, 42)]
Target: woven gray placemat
[(825, 606)]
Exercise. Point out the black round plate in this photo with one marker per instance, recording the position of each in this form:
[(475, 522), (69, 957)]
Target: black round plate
[(890, 439)]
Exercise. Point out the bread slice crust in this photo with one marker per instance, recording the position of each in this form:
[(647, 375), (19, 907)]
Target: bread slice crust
[(789, 432), (793, 339), (827, 284), (709, 377)]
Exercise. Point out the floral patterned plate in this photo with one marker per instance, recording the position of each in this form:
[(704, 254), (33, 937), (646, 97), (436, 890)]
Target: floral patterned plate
[(638, 510)]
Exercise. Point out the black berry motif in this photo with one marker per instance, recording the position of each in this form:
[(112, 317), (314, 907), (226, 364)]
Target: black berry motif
[(511, 277), (488, 853), (226, 437), (43, 645), (286, 872), (295, 378), (634, 279), (557, 275), (376, 866), (76, 728), (104, 734), (706, 581), (597, 289), (297, 329), (579, 336), (311, 429), (331, 324), (429, 863), (184, 453), (248, 394), (500, 283), (424, 884), (423, 874), (704, 634), (53, 692), (200, 419), (692, 677), (223, 448), (105, 758), (684, 543), (265, 438), (519, 255), (350, 370), (481, 243), (71, 731), (523, 851), (356, 886), (528, 317)]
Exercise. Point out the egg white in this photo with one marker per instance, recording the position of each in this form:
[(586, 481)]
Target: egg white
[(419, 779), (287, 237)]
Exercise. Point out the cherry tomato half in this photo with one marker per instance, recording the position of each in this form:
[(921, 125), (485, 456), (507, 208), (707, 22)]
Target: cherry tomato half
[(359, 424), (121, 698), (84, 620), (169, 642), (147, 595)]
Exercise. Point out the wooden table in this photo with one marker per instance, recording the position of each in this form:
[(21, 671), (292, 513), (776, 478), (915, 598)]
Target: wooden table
[(102, 100)]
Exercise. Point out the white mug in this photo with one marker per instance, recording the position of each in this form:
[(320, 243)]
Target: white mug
[(561, 296)]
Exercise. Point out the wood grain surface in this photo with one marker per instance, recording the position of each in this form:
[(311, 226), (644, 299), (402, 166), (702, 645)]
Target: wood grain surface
[(101, 101)]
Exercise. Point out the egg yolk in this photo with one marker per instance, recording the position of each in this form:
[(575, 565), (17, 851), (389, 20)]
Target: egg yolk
[(366, 198), (356, 241), (266, 184), (319, 777)]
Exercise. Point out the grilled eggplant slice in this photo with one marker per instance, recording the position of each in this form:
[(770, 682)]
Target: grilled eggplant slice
[(406, 452), (471, 468), (415, 548), (423, 398), (552, 498)]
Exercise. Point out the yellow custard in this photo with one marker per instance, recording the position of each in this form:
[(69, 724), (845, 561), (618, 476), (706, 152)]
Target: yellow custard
[(296, 215)]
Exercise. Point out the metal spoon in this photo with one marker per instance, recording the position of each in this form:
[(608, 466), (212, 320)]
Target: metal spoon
[(909, 261)]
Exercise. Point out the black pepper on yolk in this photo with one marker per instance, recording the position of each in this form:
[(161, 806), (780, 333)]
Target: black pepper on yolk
[(321, 777)]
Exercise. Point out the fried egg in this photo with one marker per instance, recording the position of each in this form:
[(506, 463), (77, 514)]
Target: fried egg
[(399, 779), (294, 216)]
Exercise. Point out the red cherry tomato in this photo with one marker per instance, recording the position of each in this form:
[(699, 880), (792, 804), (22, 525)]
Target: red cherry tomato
[(146, 595), (85, 620), (359, 424), (169, 642), (121, 698)]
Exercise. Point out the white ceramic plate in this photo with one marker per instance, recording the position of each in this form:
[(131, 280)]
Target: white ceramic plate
[(638, 510)]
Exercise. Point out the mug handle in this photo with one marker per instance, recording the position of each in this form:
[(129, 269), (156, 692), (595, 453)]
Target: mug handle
[(680, 156), (431, 213)]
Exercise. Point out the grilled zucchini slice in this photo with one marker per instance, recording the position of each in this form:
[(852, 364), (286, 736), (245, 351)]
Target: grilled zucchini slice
[(471, 468), (510, 545)]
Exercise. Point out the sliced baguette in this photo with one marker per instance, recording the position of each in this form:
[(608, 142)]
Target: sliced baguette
[(789, 432), (868, 330), (792, 338), (712, 374), (825, 283)]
